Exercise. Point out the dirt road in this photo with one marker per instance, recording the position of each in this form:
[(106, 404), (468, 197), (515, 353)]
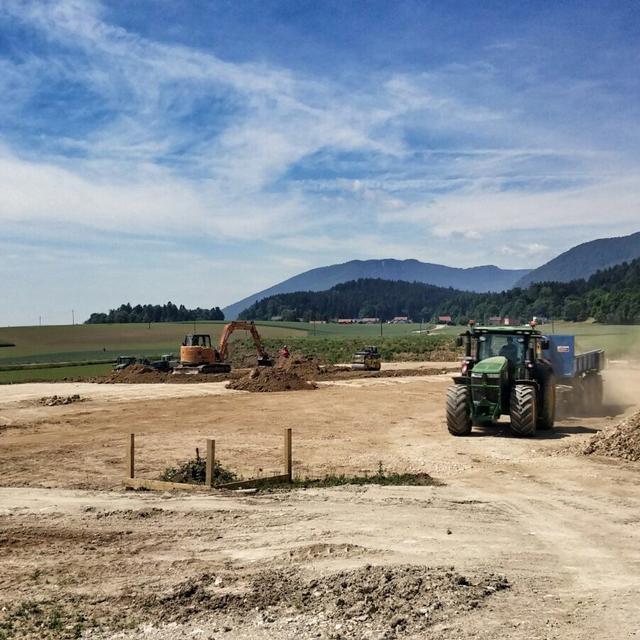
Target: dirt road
[(563, 529)]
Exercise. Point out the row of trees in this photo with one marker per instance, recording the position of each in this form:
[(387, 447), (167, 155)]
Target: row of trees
[(610, 296), (169, 312)]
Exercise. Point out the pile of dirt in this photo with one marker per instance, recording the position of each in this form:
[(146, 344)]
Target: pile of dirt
[(136, 373), (306, 367), (619, 441), (271, 379), (388, 601), (56, 401), (143, 374)]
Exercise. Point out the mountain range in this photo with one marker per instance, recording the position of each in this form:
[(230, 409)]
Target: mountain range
[(585, 259), (480, 279), (580, 261)]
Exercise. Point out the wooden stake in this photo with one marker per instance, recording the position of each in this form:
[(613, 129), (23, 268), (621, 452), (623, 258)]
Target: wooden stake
[(287, 454), (211, 455), (131, 456)]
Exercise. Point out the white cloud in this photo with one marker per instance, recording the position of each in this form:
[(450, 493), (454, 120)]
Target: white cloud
[(429, 165)]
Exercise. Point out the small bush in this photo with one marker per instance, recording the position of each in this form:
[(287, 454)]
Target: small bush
[(194, 471)]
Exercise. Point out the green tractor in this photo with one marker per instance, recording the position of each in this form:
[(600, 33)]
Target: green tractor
[(505, 372)]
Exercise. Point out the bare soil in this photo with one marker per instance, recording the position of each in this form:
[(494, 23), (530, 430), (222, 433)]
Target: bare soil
[(271, 379), (619, 441), (519, 542)]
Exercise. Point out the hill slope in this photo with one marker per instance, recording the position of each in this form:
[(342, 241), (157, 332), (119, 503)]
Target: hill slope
[(484, 278), (611, 296), (585, 259)]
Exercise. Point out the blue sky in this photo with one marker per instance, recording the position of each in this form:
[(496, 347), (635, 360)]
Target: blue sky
[(199, 151)]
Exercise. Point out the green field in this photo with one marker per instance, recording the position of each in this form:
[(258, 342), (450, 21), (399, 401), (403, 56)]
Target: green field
[(618, 341), (54, 374), (86, 344)]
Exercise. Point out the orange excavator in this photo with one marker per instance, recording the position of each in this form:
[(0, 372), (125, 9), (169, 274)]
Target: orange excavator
[(198, 356)]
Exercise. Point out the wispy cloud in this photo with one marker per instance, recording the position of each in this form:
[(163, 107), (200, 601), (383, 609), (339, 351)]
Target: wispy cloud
[(114, 132)]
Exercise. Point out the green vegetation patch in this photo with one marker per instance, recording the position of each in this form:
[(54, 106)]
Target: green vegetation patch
[(380, 478), (43, 620), (54, 374), (333, 350), (194, 471)]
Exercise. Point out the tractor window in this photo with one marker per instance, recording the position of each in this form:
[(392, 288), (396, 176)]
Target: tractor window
[(511, 347)]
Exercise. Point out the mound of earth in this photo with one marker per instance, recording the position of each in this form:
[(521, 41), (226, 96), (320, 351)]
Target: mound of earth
[(388, 601), (144, 374), (307, 367), (137, 373), (271, 379), (619, 441)]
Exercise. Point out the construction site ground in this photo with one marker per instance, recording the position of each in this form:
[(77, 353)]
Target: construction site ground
[(525, 538)]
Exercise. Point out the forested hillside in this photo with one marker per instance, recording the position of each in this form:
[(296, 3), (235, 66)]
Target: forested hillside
[(585, 259), (154, 313), (483, 278), (610, 296)]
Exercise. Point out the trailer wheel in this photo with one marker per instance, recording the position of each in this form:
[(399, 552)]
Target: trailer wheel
[(458, 410), (524, 412), (547, 413)]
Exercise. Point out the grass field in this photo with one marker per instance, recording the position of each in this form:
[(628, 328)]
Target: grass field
[(99, 342), (52, 374), (332, 342), (618, 341)]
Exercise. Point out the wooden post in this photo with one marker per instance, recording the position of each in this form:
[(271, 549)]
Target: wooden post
[(287, 454), (131, 456), (211, 455)]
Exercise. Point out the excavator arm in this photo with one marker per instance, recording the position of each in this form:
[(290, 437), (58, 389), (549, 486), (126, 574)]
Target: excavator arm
[(242, 325)]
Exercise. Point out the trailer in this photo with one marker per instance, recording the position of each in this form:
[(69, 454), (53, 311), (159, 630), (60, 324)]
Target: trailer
[(578, 376)]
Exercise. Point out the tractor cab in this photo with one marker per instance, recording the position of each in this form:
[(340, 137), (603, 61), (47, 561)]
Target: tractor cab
[(521, 347)]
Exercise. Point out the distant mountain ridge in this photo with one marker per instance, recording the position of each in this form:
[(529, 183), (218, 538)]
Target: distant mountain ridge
[(585, 259), (481, 279)]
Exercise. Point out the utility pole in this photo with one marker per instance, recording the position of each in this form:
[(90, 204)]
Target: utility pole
[(73, 317), (381, 327), (40, 320)]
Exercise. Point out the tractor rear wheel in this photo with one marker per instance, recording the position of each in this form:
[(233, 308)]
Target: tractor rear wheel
[(547, 412), (524, 412), (458, 410)]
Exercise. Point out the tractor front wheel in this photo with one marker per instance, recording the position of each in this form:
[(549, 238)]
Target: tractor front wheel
[(458, 410), (524, 410)]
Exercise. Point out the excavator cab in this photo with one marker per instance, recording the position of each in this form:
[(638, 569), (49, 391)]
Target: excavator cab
[(198, 356), (197, 340)]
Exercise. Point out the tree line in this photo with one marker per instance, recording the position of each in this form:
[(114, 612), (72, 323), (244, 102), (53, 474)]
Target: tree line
[(140, 313), (610, 296)]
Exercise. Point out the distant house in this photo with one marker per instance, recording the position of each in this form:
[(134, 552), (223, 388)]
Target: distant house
[(445, 320), (511, 321), (276, 318), (401, 320), (499, 320), (346, 321), (369, 320)]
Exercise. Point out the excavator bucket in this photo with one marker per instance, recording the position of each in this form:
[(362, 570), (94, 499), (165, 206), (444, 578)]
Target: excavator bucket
[(265, 361)]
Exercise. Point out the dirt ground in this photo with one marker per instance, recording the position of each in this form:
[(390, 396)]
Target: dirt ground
[(523, 540)]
